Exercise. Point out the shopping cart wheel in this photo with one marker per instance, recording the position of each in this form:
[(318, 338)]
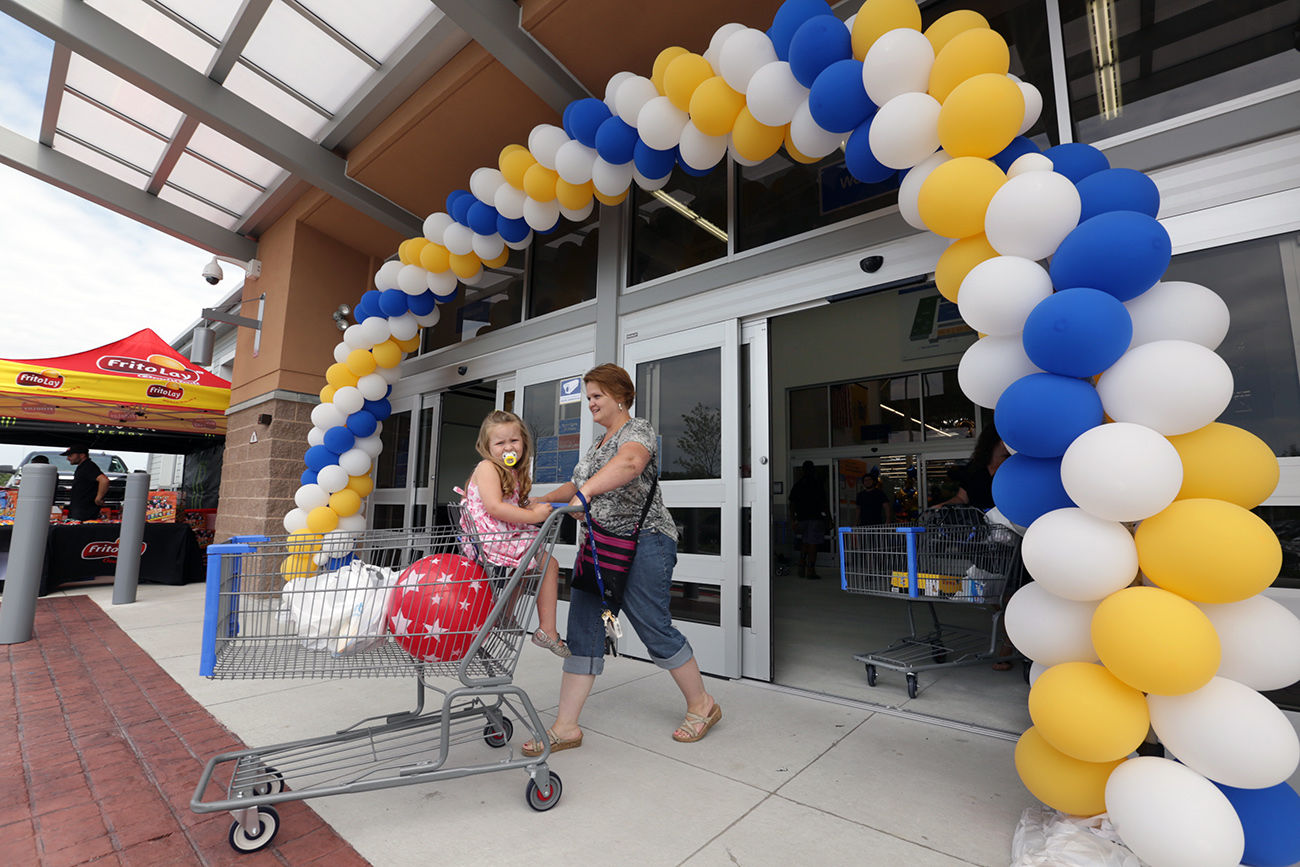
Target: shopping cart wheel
[(543, 801), (871, 675), (272, 784), (499, 737), (247, 840), (911, 686)]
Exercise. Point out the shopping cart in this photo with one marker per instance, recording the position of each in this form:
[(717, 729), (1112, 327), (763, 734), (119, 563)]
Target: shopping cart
[(952, 555), (327, 607)]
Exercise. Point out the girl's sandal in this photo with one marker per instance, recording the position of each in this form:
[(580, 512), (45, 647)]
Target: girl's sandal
[(695, 727), (554, 645)]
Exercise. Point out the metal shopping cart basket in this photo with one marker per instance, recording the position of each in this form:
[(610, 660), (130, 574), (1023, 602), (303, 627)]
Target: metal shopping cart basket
[(952, 555), (383, 603)]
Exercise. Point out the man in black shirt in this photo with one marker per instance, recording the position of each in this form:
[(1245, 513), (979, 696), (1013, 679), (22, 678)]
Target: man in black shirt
[(873, 502), (811, 513), (89, 485)]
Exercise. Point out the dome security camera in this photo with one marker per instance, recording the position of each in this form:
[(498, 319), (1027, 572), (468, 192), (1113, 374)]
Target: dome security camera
[(212, 272)]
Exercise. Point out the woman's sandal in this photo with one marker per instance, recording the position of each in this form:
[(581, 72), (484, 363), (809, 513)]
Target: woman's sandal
[(697, 726), (533, 749), (554, 645)]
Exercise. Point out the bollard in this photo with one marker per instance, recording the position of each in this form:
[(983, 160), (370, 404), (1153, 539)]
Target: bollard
[(27, 552), (127, 574)]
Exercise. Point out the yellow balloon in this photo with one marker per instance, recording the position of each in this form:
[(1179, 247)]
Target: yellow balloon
[(1059, 781), (967, 55), (327, 394), (363, 485), (956, 262), (387, 354), (433, 257), (667, 56), (1155, 641), (754, 140), (954, 198), (338, 375), (944, 28), (303, 542), (322, 519), (360, 362), (539, 183), (878, 17), (682, 76), (1208, 551), (296, 566), (404, 253), (514, 164), (715, 106), (1088, 713), (345, 502), (609, 200), (794, 151), (500, 260), (573, 196), (415, 248), (981, 116), (409, 345), (466, 266), (1224, 462)]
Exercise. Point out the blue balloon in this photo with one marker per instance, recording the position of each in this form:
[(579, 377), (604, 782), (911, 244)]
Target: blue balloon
[(368, 306), (361, 423), (339, 562), (1026, 488), (1076, 160), (380, 409), (460, 209), (654, 164), (789, 18), (393, 302), (691, 170), (449, 297), (482, 218), (1018, 148), (319, 457), (1271, 819), (616, 141), (1077, 332), (423, 304), (513, 231), (859, 159), (308, 477), (819, 42), (453, 198), (339, 439), (1120, 252), (583, 117), (838, 99), (1041, 414), (553, 227), (1117, 190)]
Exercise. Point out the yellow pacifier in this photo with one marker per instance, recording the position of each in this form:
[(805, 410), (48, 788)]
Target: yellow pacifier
[(510, 459)]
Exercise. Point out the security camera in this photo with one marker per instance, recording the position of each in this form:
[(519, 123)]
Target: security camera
[(212, 270), (872, 264)]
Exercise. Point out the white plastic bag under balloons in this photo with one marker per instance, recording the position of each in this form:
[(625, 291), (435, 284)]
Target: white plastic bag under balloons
[(1049, 838)]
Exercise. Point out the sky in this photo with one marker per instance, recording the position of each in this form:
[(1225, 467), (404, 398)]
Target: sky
[(74, 275)]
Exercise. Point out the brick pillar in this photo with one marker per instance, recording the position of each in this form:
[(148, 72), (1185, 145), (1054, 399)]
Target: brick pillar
[(259, 478)]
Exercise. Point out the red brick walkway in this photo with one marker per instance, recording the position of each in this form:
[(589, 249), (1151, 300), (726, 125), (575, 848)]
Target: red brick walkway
[(100, 751)]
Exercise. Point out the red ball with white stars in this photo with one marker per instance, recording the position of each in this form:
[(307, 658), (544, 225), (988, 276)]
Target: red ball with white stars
[(438, 606)]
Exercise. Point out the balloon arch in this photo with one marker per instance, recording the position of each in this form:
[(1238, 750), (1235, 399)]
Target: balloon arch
[(1104, 382)]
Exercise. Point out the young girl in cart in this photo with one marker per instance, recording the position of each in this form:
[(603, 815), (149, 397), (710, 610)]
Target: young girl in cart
[(496, 506)]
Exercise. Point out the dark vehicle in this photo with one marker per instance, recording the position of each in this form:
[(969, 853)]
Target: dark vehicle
[(111, 465)]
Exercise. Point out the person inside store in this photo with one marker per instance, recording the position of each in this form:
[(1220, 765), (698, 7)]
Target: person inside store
[(617, 477), (874, 506), (811, 512), (89, 485), (975, 479)]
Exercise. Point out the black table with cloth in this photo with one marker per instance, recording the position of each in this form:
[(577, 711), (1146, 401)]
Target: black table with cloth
[(76, 552)]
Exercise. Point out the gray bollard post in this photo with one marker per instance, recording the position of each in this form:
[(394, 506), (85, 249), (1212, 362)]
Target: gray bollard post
[(27, 553), (127, 574)]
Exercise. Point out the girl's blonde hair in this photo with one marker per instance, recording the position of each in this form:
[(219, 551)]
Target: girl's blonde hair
[(508, 475)]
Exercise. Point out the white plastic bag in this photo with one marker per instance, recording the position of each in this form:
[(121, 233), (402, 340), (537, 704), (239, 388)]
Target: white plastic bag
[(1049, 838), (342, 611)]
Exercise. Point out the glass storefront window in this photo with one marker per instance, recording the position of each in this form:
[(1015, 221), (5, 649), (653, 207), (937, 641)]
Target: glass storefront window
[(876, 411), (1132, 63), (555, 420), (388, 516), (949, 414), (562, 270), (390, 471), (809, 418), (497, 301), (699, 530), (678, 227), (682, 397)]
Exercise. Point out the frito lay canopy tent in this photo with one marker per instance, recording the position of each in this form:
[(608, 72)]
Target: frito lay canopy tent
[(138, 383)]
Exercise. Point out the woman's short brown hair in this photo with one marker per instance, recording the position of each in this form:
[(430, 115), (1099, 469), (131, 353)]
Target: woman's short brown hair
[(614, 380)]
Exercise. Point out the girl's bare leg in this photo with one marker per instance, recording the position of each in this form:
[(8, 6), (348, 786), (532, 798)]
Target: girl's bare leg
[(547, 598)]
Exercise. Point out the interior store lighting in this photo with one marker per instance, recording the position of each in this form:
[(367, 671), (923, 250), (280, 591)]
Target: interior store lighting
[(1105, 57)]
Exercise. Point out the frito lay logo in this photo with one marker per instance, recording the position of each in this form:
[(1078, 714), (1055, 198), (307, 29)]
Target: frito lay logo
[(105, 550), (39, 380), (170, 392), (204, 424), (153, 367), (40, 408)]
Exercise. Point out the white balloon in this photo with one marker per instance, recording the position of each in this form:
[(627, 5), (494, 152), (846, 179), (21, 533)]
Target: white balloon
[(700, 151), (315, 436), (1078, 556), (609, 179), (909, 190), (435, 224), (1049, 629), (660, 124), (341, 352), (649, 184), (484, 183), (1033, 106), (809, 138), (458, 239), (403, 327), (1260, 641), (1227, 732), (991, 364), (336, 543), (371, 445), (441, 283), (312, 496), (386, 276), (1171, 816), (998, 294), (430, 319), (412, 279), (741, 55), (521, 244), (611, 89), (579, 214), (331, 479), (509, 202), (1036, 670), (573, 161), (1121, 472), (354, 337), (774, 94), (1031, 214), (488, 246), (355, 462), (372, 386), (375, 330), (905, 132), (352, 523), (326, 416), (713, 53), (543, 142), (633, 94), (1029, 163), (1172, 386), (295, 520), (541, 216), (1178, 310), (475, 278), (348, 399), (898, 62), (391, 375)]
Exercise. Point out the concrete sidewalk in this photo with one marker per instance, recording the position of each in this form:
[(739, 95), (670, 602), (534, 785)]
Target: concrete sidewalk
[(784, 778)]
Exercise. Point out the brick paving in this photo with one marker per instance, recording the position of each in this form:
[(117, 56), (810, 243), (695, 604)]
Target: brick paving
[(100, 751)]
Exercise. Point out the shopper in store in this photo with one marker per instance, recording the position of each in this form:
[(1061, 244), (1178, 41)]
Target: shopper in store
[(873, 503), (975, 479), (811, 512)]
